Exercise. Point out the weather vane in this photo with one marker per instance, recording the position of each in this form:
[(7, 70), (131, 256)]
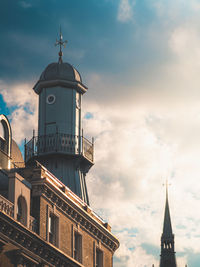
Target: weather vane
[(61, 43)]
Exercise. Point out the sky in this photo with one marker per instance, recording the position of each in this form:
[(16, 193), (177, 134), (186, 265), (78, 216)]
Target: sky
[(140, 60)]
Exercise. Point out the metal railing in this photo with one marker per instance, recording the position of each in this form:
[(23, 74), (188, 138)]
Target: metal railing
[(6, 206), (87, 149), (59, 142)]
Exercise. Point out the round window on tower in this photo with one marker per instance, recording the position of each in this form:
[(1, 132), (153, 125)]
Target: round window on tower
[(51, 99)]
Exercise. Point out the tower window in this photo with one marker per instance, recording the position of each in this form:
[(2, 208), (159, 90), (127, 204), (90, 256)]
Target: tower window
[(53, 229), (77, 247), (22, 210), (19, 210), (99, 258)]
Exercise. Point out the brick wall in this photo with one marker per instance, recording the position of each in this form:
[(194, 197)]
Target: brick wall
[(66, 229)]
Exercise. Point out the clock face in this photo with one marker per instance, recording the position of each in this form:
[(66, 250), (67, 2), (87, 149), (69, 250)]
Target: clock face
[(50, 99)]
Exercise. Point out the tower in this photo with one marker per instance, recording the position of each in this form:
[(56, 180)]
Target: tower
[(60, 145), (167, 257), (45, 219)]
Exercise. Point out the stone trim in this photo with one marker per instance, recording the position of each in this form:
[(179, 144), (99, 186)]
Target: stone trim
[(6, 206), (64, 83), (32, 245), (71, 211)]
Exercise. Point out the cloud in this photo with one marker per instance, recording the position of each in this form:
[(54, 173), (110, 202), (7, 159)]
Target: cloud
[(125, 11), (146, 130), (137, 257), (25, 4), (184, 43), (22, 101), (135, 150)]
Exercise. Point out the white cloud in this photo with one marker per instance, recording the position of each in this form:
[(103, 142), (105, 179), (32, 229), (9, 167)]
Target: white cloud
[(135, 151), (137, 258), (125, 11), (185, 44), (24, 117), (147, 132)]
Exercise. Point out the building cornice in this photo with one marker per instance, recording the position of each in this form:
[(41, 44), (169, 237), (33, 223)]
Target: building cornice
[(77, 214), (33, 245), (63, 83)]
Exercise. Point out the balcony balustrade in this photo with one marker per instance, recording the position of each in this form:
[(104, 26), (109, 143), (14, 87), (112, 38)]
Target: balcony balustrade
[(61, 143), (6, 206), (87, 149)]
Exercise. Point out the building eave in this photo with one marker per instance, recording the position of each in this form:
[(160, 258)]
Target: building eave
[(64, 83)]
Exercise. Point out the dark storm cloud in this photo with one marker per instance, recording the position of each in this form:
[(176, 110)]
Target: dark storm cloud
[(98, 42), (29, 28)]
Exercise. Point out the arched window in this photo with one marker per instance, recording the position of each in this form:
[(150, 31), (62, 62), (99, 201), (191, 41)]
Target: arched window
[(22, 210)]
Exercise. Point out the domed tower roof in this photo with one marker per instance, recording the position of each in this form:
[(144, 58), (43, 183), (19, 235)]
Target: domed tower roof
[(60, 71), (60, 74), (16, 154)]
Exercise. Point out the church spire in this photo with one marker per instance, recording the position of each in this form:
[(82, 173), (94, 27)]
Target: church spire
[(167, 257), (167, 226)]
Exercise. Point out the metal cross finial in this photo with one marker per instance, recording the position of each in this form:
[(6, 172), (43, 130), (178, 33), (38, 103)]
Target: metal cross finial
[(61, 43)]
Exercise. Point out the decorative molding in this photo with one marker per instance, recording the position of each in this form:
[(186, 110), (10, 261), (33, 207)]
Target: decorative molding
[(6, 206), (72, 212), (33, 246)]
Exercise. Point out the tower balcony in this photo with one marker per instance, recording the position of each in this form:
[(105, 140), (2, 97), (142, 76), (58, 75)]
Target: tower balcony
[(59, 143)]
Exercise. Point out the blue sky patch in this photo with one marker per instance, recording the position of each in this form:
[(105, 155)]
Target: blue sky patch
[(88, 116)]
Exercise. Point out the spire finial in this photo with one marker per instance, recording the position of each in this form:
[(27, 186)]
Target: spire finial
[(167, 185), (61, 43)]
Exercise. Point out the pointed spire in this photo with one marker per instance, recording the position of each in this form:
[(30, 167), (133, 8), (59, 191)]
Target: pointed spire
[(167, 226), (167, 257), (61, 43)]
